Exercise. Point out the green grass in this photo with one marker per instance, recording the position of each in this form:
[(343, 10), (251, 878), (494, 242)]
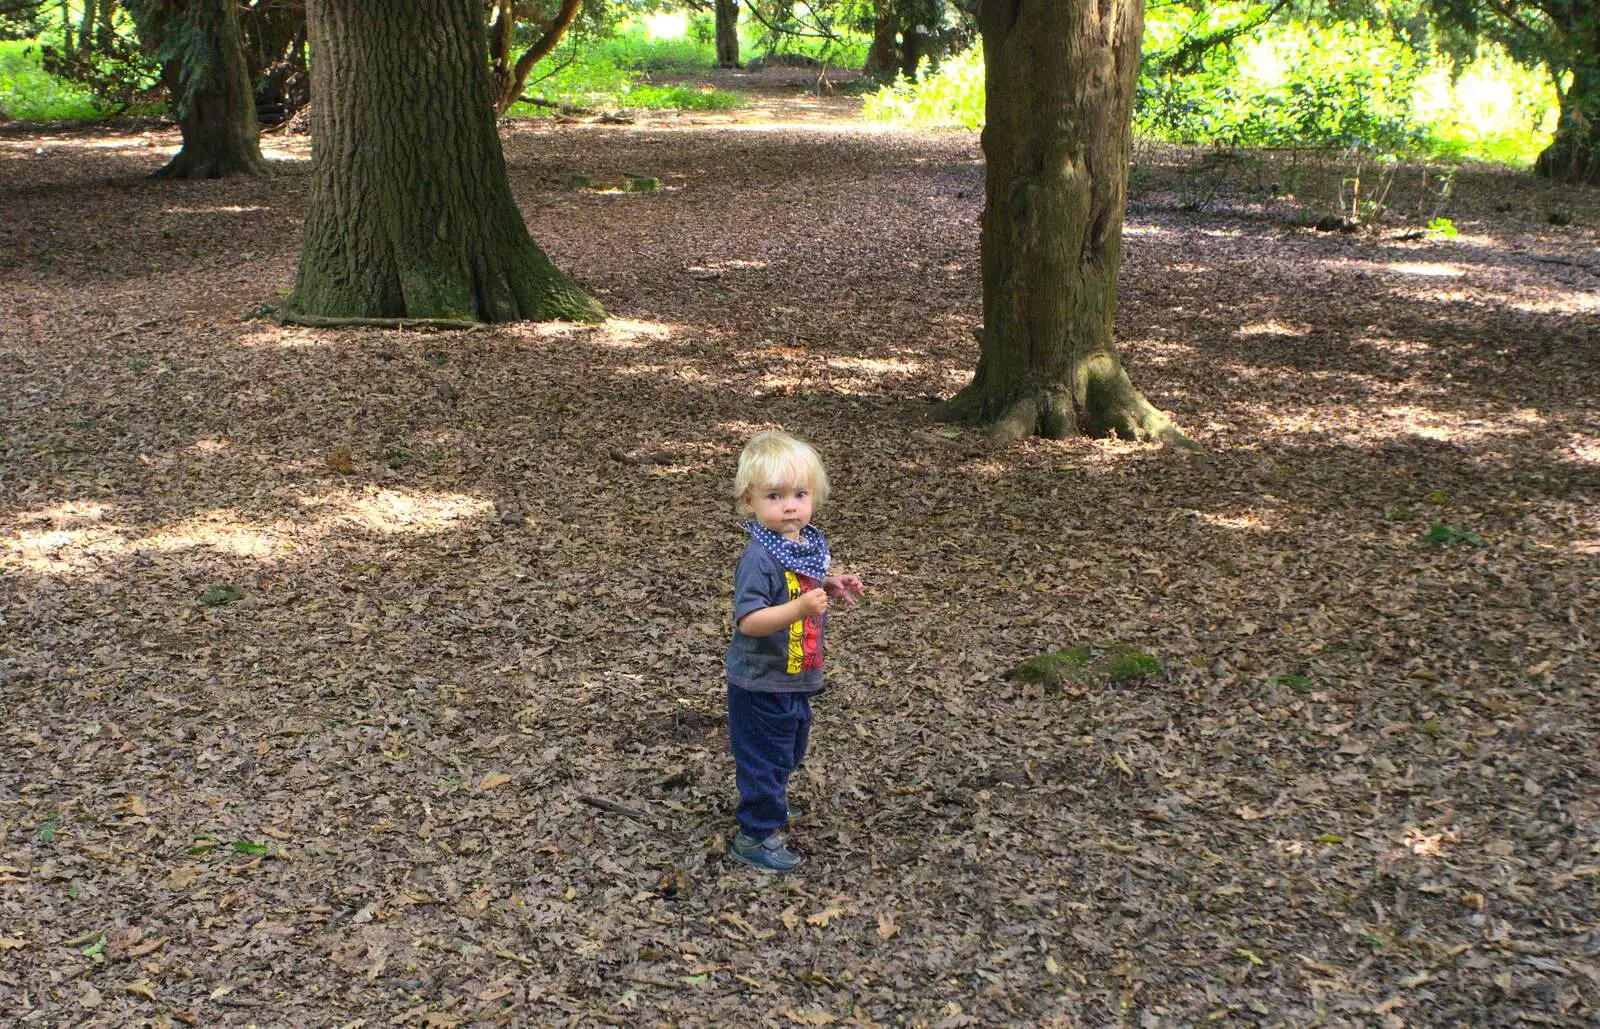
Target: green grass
[(29, 93)]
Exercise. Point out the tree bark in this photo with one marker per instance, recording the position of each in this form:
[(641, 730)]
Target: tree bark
[(727, 33), (1059, 85), (1574, 154), (203, 66), (882, 57), (411, 212)]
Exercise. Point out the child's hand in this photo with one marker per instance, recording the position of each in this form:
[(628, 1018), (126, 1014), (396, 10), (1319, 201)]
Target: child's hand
[(846, 587), (812, 603)]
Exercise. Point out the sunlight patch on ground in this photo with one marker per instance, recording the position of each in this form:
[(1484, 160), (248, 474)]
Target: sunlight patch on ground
[(209, 447), (221, 209), (1429, 269), (1271, 327), (1559, 303), (674, 372), (1401, 347), (1581, 449), (1145, 230), (1248, 518), (1375, 422), (64, 515), (61, 552), (873, 367), (1190, 269), (624, 334), (390, 510), (282, 337)]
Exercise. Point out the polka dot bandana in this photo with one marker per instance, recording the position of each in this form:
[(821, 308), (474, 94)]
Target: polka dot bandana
[(809, 557)]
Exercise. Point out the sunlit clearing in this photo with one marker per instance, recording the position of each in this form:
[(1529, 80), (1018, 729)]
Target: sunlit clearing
[(1245, 518), (221, 209), (670, 25), (1271, 328)]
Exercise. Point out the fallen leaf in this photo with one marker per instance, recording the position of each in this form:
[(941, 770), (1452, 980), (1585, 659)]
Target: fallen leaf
[(492, 780), (821, 918), (143, 988), (886, 925)]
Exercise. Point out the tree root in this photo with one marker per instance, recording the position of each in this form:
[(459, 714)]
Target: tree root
[(317, 321)]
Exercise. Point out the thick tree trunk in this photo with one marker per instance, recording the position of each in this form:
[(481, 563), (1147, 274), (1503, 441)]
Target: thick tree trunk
[(882, 57), (1574, 154), (727, 33), (1059, 85), (411, 212), (216, 107)]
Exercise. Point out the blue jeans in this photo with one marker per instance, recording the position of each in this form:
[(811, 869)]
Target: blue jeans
[(769, 733)]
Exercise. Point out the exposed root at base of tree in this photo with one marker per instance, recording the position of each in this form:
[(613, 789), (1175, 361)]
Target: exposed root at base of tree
[(190, 168), (1113, 407), (317, 321)]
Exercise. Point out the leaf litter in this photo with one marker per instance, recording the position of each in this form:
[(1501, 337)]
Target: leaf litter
[(361, 675)]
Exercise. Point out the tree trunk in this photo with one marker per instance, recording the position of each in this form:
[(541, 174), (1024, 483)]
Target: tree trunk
[(727, 33), (204, 68), (1059, 86), (1574, 154), (882, 57), (411, 213)]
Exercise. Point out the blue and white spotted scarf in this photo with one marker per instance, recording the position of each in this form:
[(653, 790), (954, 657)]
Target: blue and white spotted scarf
[(809, 557)]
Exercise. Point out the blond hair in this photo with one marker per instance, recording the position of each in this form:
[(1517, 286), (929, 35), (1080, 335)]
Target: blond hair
[(775, 458)]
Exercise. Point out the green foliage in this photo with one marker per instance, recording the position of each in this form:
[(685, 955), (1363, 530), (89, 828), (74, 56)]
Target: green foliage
[(219, 593), (1083, 666), (1299, 683), (613, 72), (29, 93), (1449, 535), (951, 96), (1442, 228), (1298, 84)]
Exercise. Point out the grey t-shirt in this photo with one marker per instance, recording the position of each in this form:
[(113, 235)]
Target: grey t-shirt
[(789, 660)]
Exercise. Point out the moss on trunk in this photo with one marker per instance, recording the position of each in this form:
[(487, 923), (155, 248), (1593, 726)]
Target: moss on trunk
[(411, 212), (1059, 82)]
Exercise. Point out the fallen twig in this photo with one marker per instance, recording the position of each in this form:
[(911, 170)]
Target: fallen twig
[(539, 101), (611, 805)]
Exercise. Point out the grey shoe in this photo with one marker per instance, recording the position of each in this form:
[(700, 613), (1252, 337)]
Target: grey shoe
[(769, 855)]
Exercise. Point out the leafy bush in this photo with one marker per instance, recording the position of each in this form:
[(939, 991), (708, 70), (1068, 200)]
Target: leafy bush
[(951, 96), (1295, 85), (29, 93)]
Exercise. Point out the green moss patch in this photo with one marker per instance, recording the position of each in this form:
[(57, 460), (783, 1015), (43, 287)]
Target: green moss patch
[(1084, 666)]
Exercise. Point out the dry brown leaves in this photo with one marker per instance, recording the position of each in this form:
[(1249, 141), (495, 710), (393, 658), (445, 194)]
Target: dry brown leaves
[(319, 648)]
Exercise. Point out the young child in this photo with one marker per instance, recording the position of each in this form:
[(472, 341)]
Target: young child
[(780, 608)]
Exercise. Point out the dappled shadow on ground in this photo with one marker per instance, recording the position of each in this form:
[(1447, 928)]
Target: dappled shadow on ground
[(461, 581)]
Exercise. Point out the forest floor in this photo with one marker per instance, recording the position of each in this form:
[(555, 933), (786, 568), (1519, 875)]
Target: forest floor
[(329, 656)]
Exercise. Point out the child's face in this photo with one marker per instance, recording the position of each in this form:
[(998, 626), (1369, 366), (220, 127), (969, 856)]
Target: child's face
[(784, 510)]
